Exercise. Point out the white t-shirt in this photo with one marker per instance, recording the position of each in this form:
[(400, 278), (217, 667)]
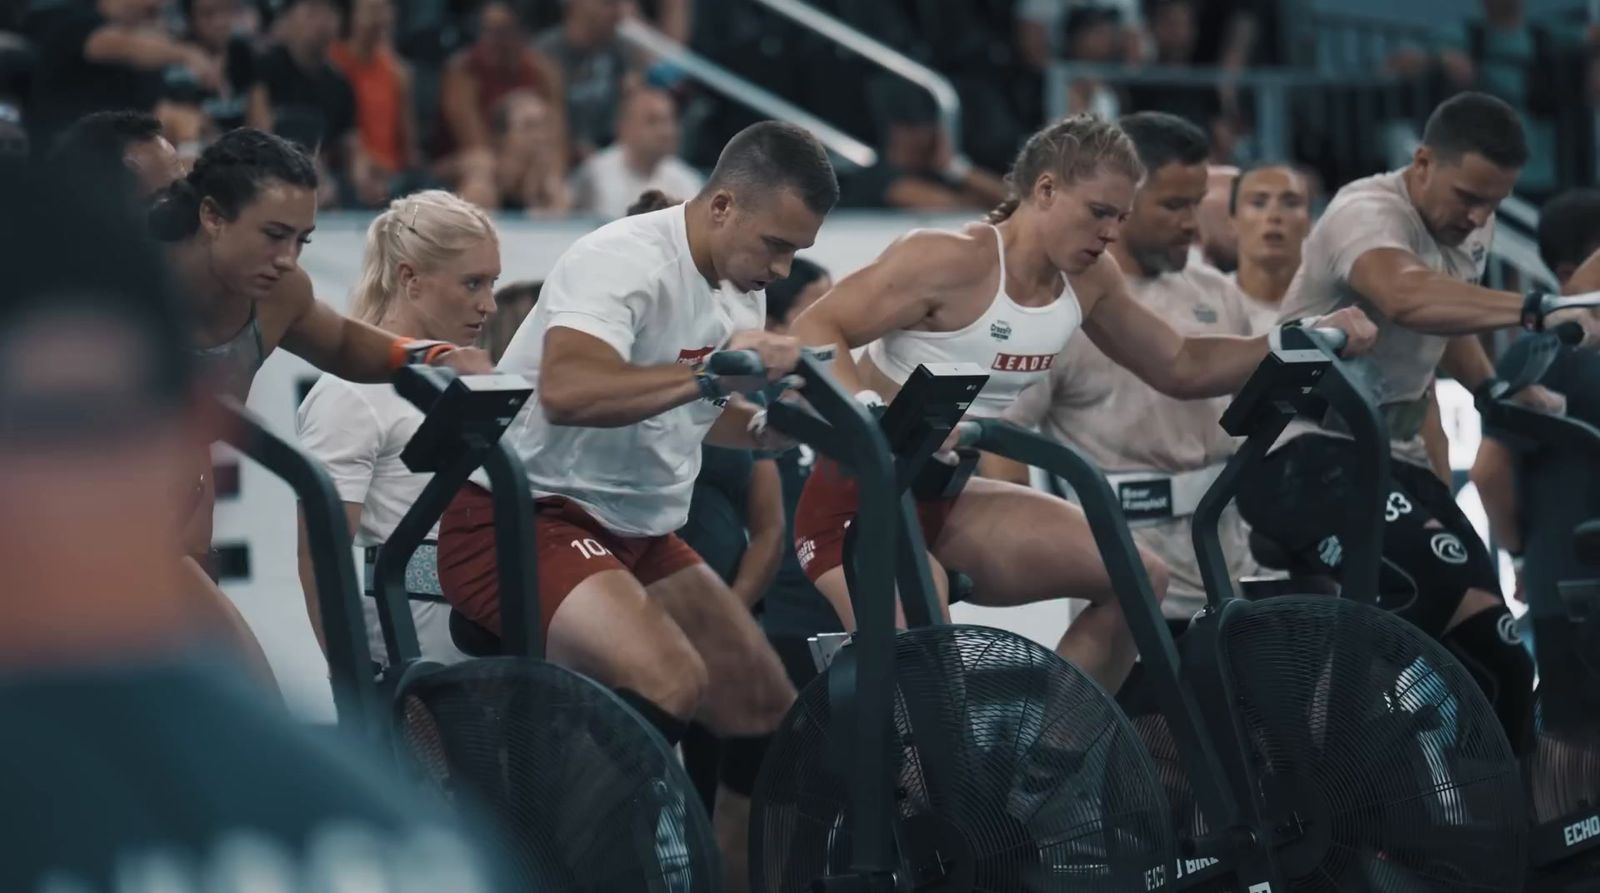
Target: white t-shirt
[(357, 432), (1124, 426), (1368, 214), (606, 185), (632, 284)]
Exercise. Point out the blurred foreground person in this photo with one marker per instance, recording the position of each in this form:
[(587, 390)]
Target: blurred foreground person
[(143, 763)]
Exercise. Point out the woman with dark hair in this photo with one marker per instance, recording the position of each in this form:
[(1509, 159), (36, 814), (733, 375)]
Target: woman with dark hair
[(234, 228)]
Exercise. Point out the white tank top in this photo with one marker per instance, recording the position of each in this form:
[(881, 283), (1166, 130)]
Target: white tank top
[(1016, 345)]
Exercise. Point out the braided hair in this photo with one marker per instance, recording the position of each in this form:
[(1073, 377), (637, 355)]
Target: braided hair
[(230, 172), (1073, 148)]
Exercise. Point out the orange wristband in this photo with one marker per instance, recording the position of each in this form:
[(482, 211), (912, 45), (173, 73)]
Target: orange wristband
[(407, 351)]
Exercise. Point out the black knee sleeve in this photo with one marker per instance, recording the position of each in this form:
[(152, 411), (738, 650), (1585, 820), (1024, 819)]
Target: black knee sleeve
[(741, 762), (1488, 644), (670, 727)]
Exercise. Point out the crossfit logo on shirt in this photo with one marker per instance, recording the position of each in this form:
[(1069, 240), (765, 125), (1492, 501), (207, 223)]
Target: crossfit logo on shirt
[(1000, 330), (1023, 362), (694, 357), (1205, 314), (1447, 548)]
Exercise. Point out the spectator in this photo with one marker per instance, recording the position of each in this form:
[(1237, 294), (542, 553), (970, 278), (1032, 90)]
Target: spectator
[(109, 54), (1046, 30), (104, 140), (386, 121), (303, 98), (1092, 35), (1174, 35), (512, 304), (916, 168), (643, 158), (475, 82), (526, 155), (223, 30), (594, 69), (1524, 63)]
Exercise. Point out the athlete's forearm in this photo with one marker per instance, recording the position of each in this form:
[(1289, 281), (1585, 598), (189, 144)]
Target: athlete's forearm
[(816, 330), (587, 393), (1213, 366), (1435, 304)]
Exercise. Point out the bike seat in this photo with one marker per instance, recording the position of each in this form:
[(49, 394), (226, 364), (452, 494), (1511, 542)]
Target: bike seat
[(473, 640), (1303, 580)]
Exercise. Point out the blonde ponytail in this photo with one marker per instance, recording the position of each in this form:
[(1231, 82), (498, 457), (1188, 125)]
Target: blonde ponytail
[(424, 229)]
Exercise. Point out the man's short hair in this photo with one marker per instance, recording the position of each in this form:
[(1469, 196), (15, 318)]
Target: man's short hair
[(1162, 139), (103, 138), (1569, 228), (1477, 123), (775, 154), (1238, 180)]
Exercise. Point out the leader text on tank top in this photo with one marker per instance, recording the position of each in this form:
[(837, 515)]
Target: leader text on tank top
[(1015, 344)]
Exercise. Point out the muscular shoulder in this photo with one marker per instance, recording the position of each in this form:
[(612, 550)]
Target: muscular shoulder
[(1377, 203), (945, 259), (289, 300), (1103, 277)]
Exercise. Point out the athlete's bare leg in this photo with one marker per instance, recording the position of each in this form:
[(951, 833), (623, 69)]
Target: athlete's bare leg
[(832, 586), (1021, 546), (748, 692), (610, 630)]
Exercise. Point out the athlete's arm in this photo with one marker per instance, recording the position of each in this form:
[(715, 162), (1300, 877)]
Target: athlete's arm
[(765, 524), (584, 382), (1140, 341), (1494, 474), (1407, 291), (308, 577), (1466, 361), (349, 348), (900, 289)]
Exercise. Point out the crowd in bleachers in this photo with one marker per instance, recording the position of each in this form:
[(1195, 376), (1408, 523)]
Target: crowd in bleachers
[(540, 106)]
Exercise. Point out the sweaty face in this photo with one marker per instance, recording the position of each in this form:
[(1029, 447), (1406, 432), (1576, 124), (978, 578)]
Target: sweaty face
[(258, 247), (1164, 223), (754, 242), (453, 301), (1082, 219), (1273, 215), (155, 164), (1457, 197)]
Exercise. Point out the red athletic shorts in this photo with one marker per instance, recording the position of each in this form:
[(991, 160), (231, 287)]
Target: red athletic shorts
[(828, 503), (571, 546)]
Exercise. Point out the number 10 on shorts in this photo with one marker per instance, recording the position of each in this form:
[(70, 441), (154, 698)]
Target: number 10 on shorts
[(590, 548)]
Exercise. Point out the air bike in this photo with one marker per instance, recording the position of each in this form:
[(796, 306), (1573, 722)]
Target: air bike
[(1317, 744), (584, 794), (1559, 484)]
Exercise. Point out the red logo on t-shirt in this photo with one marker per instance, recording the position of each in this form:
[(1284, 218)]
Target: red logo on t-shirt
[(1023, 362), (693, 357)]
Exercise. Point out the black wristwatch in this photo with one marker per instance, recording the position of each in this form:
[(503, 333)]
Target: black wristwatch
[(1533, 310), (708, 383)]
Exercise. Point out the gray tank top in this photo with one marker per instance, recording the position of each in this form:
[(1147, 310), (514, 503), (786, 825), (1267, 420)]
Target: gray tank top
[(231, 366)]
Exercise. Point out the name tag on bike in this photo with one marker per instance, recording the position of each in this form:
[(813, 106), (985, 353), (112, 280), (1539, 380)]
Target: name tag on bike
[(1145, 500)]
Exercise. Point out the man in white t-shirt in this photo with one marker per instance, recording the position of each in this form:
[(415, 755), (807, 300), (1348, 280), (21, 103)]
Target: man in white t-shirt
[(644, 157), (1409, 247), (615, 348), (1159, 452)]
